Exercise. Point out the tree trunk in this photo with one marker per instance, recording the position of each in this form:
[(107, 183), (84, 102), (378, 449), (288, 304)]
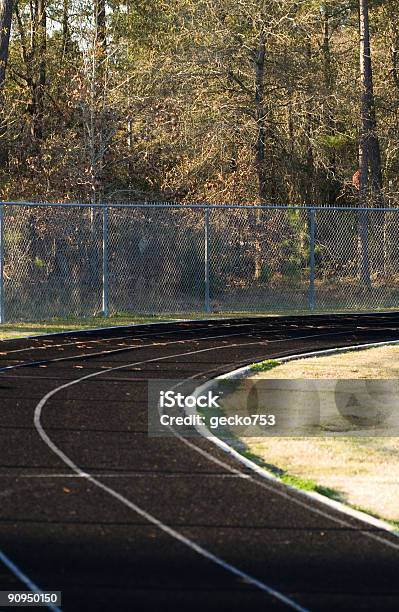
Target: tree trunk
[(395, 51), (260, 120), (101, 31), (98, 89), (6, 8), (332, 184), (66, 32), (40, 77), (35, 64), (309, 191), (260, 149), (366, 99)]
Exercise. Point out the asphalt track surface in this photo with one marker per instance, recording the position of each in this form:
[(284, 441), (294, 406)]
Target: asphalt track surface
[(92, 506)]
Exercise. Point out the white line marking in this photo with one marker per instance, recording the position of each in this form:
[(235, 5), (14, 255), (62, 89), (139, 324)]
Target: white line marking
[(194, 447), (23, 578), (265, 475), (360, 516), (136, 325), (338, 506), (3, 557), (129, 337), (128, 348), (113, 339), (130, 475), (237, 317), (149, 517)]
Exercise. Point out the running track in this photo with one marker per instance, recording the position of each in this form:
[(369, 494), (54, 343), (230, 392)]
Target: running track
[(93, 507)]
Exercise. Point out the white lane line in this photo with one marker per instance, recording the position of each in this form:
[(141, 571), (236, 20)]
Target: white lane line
[(129, 475), (204, 432), (340, 508), (131, 347), (113, 339), (134, 337), (79, 473), (17, 572), (70, 332), (222, 464), (127, 348), (149, 517), (185, 441), (292, 494), (24, 578)]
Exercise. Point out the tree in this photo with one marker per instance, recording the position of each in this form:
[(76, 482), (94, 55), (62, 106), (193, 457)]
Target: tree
[(32, 33), (6, 9), (40, 69), (370, 153), (369, 147), (191, 100)]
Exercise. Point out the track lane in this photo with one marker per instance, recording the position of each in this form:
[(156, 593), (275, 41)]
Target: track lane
[(166, 451)]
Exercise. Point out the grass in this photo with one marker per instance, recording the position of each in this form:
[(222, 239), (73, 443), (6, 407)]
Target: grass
[(304, 484), (264, 366), (361, 472), (307, 484), (394, 524)]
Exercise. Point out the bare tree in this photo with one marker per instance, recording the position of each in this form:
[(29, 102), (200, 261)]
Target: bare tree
[(6, 8), (98, 93), (260, 117), (33, 52), (366, 112), (40, 76)]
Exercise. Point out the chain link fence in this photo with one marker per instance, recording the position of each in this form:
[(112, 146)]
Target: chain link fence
[(62, 260)]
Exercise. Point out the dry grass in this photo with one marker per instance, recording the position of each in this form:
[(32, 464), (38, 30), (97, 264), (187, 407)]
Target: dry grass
[(382, 362), (363, 470)]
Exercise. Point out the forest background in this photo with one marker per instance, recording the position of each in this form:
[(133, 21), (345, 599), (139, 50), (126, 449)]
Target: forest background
[(242, 101)]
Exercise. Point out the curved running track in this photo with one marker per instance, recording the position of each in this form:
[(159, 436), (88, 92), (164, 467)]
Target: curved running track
[(91, 506)]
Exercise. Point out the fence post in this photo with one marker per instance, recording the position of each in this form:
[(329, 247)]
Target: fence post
[(105, 270), (206, 259), (312, 293)]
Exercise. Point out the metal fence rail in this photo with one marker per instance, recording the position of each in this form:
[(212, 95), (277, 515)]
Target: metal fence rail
[(63, 259)]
